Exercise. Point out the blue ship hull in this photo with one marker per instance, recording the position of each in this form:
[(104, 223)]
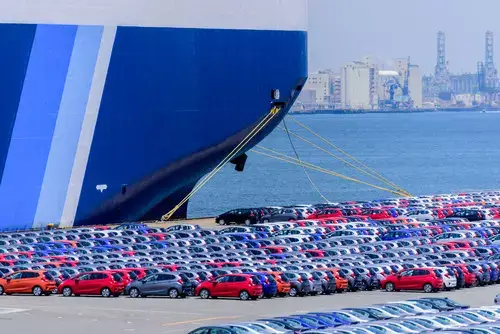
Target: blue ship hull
[(81, 147)]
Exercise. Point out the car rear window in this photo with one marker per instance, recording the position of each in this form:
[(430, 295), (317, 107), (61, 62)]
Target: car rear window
[(117, 277), (255, 280), (48, 276), (284, 278)]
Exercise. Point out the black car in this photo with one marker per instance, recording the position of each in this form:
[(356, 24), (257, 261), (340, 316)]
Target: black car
[(471, 215), (238, 216)]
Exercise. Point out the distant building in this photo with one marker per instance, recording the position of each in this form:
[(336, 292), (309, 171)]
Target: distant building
[(467, 100), (427, 88), (321, 91), (308, 97), (415, 86), (320, 84), (359, 85), (466, 83)]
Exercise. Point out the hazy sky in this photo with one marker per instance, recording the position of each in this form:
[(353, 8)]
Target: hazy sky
[(344, 30)]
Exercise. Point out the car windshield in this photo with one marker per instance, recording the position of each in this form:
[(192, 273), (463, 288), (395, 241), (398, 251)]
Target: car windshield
[(442, 320), (395, 327), (458, 318), (424, 305), (273, 326), (405, 307), (293, 322), (471, 316), (377, 329), (377, 312), (391, 310), (486, 314), (484, 331), (410, 325), (343, 317), (439, 302)]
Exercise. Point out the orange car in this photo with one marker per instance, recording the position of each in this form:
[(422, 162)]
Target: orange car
[(282, 283), (37, 282), (342, 283)]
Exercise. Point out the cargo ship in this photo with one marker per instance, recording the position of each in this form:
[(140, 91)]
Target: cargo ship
[(112, 110)]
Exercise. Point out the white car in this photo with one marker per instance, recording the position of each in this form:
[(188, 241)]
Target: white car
[(449, 278), (415, 307)]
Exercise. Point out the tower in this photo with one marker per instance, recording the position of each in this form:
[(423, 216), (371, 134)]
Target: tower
[(490, 72), (441, 75)]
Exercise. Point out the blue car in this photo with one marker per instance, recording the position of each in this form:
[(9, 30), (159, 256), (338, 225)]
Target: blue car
[(131, 226), (337, 321), (269, 286)]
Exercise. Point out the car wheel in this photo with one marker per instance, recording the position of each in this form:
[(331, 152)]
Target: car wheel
[(204, 294), (389, 287), (247, 222), (364, 286), (1, 290), (222, 222), (293, 292), (134, 293), (244, 295), (428, 288), (173, 293), (67, 292), (37, 291), (106, 292)]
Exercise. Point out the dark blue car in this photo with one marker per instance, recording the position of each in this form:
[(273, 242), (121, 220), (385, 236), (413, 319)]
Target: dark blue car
[(269, 286)]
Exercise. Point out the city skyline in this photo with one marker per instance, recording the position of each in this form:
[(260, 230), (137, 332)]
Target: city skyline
[(386, 29)]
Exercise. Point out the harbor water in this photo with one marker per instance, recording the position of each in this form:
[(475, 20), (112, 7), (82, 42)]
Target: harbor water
[(424, 153)]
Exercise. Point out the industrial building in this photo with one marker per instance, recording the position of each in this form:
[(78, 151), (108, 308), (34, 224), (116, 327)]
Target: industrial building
[(464, 90), (321, 91), (359, 81)]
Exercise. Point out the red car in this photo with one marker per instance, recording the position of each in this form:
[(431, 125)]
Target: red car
[(243, 286), (469, 277), (104, 283), (414, 279)]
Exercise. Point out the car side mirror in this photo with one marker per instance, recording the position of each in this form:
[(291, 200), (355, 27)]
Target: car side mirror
[(9, 279)]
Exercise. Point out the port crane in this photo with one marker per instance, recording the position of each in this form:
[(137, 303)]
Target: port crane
[(392, 84)]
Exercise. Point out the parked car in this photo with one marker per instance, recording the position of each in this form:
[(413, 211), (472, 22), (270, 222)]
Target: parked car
[(238, 216), (104, 283), (160, 284), (36, 282), (244, 286), (427, 279)]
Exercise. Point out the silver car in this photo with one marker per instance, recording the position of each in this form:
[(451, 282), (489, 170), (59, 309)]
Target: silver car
[(160, 284)]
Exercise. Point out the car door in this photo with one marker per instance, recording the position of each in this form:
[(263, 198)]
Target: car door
[(97, 282), (81, 284), (28, 279), (415, 281), (234, 285), (163, 284), (13, 283), (220, 287), (148, 284), (404, 280)]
